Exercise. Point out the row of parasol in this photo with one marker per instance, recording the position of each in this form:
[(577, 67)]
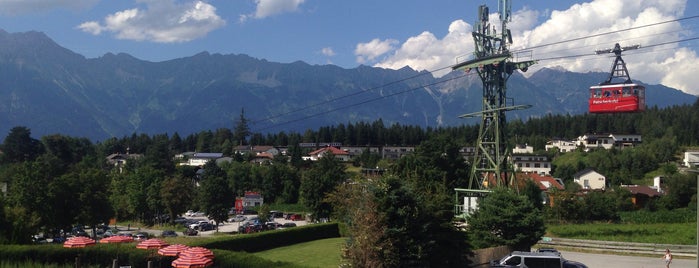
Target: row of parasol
[(186, 256)]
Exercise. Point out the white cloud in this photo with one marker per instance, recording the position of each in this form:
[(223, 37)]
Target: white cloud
[(327, 51), (266, 8), (670, 64), (655, 64), (19, 7), (160, 21), (422, 52), (366, 52)]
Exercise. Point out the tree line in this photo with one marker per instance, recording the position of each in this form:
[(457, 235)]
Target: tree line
[(58, 181)]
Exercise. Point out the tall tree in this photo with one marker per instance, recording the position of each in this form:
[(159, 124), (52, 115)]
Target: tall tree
[(394, 222), (320, 180), (215, 195), (176, 195), (19, 146), (241, 130)]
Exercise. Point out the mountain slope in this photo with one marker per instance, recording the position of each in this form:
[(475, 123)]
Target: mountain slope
[(53, 90)]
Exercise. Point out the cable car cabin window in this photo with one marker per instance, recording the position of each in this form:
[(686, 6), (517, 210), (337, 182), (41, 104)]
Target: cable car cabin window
[(617, 98)]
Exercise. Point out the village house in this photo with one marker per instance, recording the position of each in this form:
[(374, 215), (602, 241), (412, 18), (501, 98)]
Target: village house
[(317, 154), (396, 152), (532, 163), (197, 159), (355, 151), (641, 194), (608, 141), (590, 179), (563, 146), (523, 149), (691, 159)]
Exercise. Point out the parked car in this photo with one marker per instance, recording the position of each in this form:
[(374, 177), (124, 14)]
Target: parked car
[(206, 227), (190, 232), (169, 233), (288, 225), (271, 225), (276, 214), (140, 236), (237, 218), (196, 225)]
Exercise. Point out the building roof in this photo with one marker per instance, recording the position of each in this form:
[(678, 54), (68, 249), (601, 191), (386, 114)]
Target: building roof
[(583, 172), (330, 149), (208, 155), (545, 182), (642, 189)]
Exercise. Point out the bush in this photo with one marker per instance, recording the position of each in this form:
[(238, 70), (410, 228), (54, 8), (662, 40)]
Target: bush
[(224, 248)]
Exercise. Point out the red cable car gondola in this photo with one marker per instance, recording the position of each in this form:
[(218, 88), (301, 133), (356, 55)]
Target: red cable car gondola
[(619, 97)]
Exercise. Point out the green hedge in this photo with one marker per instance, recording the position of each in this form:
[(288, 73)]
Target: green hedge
[(230, 251), (273, 239)]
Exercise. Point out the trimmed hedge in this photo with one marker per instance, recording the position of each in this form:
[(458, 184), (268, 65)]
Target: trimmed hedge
[(273, 239), (230, 251)]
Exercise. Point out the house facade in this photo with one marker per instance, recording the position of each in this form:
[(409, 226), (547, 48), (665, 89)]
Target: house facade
[(691, 159), (317, 154), (590, 179), (396, 152), (522, 149), (563, 146), (608, 141), (355, 151), (532, 163), (197, 159)]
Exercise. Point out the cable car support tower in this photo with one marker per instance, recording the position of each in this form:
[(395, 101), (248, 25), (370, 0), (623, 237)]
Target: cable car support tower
[(494, 64)]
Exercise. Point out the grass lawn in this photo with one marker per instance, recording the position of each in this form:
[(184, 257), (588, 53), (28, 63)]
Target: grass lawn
[(663, 233), (319, 253)]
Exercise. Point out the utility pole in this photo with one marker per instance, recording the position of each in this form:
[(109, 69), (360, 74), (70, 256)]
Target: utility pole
[(494, 65)]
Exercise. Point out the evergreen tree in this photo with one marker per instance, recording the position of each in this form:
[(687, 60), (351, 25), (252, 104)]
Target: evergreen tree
[(506, 218), (316, 183), (241, 130), (215, 195), (19, 146)]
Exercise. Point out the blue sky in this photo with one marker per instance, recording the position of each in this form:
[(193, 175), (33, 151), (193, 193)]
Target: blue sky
[(425, 35)]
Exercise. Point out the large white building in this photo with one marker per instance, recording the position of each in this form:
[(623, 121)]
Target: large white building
[(562, 145), (532, 163), (691, 158)]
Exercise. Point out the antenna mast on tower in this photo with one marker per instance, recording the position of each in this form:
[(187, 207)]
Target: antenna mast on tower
[(492, 61)]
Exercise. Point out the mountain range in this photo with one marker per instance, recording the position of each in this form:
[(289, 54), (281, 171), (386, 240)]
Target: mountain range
[(52, 90)]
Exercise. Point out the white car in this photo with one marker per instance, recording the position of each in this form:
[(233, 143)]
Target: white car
[(195, 225), (237, 218)]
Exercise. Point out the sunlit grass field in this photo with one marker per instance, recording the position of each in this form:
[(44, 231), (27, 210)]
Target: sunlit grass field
[(662, 233), (319, 253)]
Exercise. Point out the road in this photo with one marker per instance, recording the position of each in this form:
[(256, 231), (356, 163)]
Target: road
[(612, 261)]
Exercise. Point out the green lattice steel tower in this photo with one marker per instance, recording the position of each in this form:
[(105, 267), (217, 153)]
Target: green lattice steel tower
[(493, 62)]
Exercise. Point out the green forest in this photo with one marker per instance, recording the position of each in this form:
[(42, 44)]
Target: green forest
[(55, 182)]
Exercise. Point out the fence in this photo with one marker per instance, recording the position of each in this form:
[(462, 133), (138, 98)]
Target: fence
[(619, 247)]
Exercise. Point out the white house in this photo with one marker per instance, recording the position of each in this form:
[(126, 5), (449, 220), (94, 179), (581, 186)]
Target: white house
[(589, 179), (608, 141), (562, 145), (199, 159), (532, 163), (691, 158), (522, 149)]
